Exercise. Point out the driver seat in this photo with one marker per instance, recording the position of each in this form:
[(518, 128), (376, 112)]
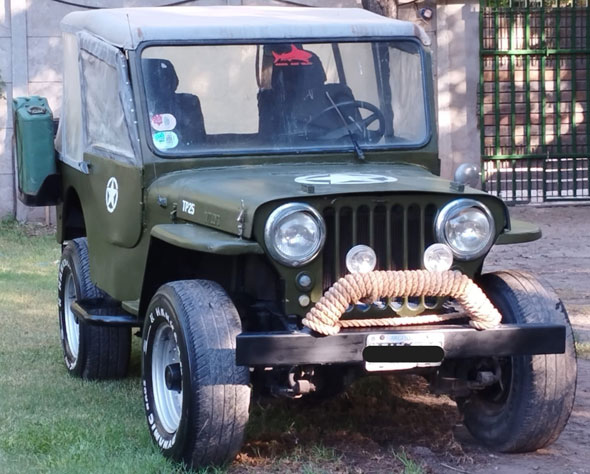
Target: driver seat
[(297, 95)]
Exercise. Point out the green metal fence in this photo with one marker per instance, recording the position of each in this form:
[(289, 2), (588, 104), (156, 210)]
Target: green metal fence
[(534, 99)]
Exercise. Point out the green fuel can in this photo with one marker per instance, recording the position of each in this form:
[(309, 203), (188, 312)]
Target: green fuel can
[(34, 148)]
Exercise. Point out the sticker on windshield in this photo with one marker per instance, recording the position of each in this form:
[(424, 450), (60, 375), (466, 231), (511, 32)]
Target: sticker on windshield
[(165, 140), (163, 122), (345, 178), (294, 57)]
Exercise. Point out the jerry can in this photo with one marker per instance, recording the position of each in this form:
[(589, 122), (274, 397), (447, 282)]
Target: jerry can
[(38, 181)]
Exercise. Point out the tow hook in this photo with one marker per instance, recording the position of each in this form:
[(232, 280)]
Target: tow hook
[(299, 383)]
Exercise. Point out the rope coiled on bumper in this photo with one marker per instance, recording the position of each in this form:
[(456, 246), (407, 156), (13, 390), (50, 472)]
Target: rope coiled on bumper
[(324, 317)]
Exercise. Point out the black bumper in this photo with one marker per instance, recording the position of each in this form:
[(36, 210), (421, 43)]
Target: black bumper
[(272, 349)]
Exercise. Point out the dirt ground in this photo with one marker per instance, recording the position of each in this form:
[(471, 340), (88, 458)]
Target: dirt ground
[(561, 258)]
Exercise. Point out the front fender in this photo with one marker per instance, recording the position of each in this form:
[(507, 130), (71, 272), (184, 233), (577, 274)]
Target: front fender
[(204, 239), (518, 233)]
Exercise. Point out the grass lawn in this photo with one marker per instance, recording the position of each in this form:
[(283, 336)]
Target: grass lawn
[(51, 422)]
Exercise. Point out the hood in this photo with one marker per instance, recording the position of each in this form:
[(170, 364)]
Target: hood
[(227, 198)]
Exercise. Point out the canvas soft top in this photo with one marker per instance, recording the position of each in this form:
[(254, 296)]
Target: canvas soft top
[(127, 27)]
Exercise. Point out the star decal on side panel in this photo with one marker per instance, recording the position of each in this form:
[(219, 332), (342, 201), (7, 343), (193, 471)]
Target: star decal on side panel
[(112, 194)]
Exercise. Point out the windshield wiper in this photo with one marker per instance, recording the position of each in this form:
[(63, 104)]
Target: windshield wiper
[(357, 148)]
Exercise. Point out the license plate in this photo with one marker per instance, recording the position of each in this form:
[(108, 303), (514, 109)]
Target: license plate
[(384, 352)]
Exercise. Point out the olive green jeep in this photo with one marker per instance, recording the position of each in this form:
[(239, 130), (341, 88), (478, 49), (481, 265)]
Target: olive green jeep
[(258, 190)]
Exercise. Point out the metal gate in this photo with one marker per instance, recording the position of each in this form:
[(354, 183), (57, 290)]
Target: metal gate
[(534, 99)]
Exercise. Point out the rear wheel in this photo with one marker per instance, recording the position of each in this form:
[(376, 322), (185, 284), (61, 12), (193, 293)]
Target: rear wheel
[(196, 398), (90, 352), (531, 404)]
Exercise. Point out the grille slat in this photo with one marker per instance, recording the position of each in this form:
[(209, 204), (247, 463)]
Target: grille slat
[(372, 226), (355, 226), (422, 230), (397, 236), (405, 238), (388, 249), (414, 237), (336, 256)]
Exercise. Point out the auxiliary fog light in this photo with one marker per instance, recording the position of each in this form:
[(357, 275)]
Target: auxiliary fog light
[(438, 258), (361, 259)]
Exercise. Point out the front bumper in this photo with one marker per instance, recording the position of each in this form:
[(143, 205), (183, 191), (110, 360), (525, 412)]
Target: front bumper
[(272, 349)]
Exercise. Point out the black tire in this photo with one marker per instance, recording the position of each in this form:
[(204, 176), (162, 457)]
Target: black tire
[(197, 416), (99, 352), (533, 407)]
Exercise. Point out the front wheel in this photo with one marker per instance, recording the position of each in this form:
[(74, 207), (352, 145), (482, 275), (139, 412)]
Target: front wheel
[(530, 406), (196, 398)]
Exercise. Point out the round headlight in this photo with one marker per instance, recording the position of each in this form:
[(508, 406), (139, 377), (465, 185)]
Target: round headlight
[(294, 234), (467, 226)]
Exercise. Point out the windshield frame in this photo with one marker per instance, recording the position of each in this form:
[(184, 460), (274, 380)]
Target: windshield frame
[(139, 86)]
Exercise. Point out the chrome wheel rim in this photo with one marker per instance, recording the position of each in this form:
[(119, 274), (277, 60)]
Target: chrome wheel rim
[(72, 327), (167, 402)]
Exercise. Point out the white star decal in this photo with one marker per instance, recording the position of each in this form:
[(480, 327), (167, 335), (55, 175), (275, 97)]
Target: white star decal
[(112, 194), (345, 178)]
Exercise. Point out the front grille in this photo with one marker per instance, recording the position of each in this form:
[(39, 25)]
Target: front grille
[(397, 231)]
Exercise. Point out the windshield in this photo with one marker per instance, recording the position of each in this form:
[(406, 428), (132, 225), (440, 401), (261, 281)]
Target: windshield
[(285, 97)]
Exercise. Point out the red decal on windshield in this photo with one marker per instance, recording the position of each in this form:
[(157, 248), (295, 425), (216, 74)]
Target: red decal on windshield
[(295, 57)]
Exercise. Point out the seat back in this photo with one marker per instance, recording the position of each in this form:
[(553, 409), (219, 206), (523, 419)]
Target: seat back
[(297, 103), (160, 78), (297, 79), (161, 82)]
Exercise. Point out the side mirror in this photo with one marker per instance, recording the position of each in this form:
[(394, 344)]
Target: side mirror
[(467, 174)]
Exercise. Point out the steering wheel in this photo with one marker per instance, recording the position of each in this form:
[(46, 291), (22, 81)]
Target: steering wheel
[(352, 125)]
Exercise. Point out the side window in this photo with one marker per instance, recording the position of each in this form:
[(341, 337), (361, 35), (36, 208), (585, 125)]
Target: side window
[(406, 81), (359, 67), (105, 125), (69, 136)]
